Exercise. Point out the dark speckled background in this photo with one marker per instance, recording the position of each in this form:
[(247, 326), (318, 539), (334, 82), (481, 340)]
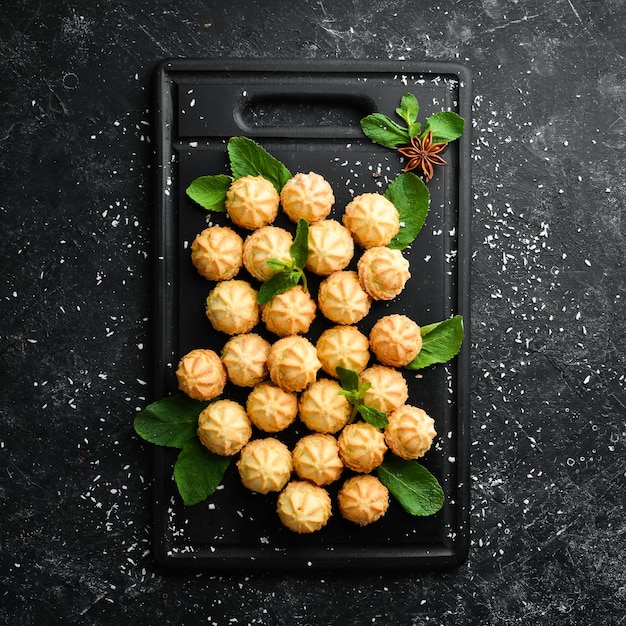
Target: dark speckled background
[(548, 432)]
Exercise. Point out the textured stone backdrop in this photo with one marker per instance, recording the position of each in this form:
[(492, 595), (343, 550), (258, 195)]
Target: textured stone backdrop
[(548, 389)]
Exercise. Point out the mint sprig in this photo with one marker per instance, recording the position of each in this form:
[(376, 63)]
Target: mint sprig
[(354, 390), (173, 422), (441, 342), (288, 273), (247, 158), (408, 110), (412, 485), (446, 126)]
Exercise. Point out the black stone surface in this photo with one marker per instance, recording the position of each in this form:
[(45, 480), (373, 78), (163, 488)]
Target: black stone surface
[(548, 432)]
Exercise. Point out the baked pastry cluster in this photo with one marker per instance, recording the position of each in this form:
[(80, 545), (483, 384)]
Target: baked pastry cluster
[(289, 375)]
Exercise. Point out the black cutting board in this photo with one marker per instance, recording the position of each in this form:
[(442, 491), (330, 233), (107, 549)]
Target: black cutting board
[(306, 113)]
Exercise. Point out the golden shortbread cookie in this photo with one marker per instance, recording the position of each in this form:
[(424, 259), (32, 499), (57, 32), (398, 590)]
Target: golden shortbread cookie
[(395, 340), (372, 219), (271, 408), (307, 196), (245, 359), (217, 253), (331, 247), (252, 202), (268, 242), (293, 363), (289, 313), (224, 427), (383, 272), (361, 447), (343, 345), (265, 465), (303, 507), (363, 499), (341, 298), (232, 308), (322, 408), (410, 432), (201, 374), (388, 390), (316, 458)]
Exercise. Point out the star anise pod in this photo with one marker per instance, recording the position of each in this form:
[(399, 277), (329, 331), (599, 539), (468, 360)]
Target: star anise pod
[(424, 154)]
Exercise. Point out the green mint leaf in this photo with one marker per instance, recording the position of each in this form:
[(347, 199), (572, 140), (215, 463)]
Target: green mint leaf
[(441, 342), (198, 472), (279, 283), (210, 191), (299, 250), (248, 158), (348, 379), (353, 396), (373, 416), (412, 485), (170, 421), (381, 130), (415, 129), (409, 108), (410, 195), (279, 265), (446, 126)]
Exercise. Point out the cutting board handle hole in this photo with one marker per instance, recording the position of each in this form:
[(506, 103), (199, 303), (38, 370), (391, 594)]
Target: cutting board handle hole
[(299, 110)]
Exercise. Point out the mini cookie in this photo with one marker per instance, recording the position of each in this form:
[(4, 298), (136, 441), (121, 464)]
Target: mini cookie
[(245, 358), (322, 408), (395, 340), (345, 346), (331, 247), (316, 458), (341, 298), (252, 202), (363, 499), (388, 388), (293, 363), (307, 196), (290, 312), (372, 219), (410, 432), (383, 272), (201, 374), (270, 408), (231, 307), (217, 253), (303, 507), (268, 242), (224, 427), (265, 465), (361, 447)]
